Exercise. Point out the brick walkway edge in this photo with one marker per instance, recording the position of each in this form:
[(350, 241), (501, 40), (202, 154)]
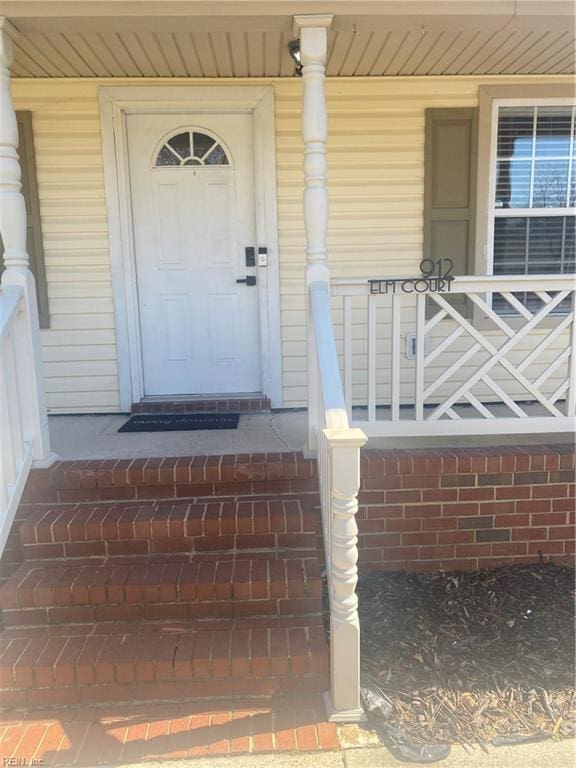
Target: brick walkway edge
[(116, 735)]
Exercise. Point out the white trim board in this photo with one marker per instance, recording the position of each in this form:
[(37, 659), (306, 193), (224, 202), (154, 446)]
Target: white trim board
[(116, 102)]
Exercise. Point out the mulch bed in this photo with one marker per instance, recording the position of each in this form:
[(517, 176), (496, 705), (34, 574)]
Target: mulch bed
[(478, 657)]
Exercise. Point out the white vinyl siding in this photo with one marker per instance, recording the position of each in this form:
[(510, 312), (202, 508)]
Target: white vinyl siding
[(376, 184)]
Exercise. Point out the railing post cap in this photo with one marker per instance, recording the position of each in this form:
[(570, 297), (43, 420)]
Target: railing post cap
[(352, 437)]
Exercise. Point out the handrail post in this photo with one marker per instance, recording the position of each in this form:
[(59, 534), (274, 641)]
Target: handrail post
[(16, 261), (343, 700), (313, 34)]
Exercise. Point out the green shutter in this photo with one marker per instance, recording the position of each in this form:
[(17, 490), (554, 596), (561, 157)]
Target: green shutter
[(450, 186), (450, 193), (34, 231)]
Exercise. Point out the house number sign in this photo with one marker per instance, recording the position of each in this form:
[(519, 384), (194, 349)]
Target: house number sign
[(436, 278)]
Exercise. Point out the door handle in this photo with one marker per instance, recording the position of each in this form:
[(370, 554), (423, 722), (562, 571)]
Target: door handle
[(248, 280)]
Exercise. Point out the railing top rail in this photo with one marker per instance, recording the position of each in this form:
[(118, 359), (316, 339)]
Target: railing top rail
[(462, 284), (10, 300), (336, 416)]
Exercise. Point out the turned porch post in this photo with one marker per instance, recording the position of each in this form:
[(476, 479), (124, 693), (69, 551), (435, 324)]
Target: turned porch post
[(343, 700), (312, 32), (16, 261)]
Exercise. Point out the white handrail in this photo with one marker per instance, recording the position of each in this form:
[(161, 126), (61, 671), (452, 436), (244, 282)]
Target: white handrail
[(337, 448), (334, 405), (23, 418)]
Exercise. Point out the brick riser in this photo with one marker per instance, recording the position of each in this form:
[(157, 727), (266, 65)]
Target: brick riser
[(224, 405), (105, 530), (116, 590), (173, 478), (161, 662)]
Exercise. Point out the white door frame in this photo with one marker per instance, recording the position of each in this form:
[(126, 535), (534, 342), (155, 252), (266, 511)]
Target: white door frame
[(116, 102)]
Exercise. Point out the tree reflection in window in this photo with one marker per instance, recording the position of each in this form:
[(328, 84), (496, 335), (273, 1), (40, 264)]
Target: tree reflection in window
[(191, 148)]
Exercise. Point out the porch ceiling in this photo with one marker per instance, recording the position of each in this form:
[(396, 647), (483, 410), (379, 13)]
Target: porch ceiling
[(413, 37)]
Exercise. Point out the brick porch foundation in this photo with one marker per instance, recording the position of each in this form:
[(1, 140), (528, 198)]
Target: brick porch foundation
[(455, 509)]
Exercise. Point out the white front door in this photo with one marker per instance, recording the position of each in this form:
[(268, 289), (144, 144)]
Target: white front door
[(192, 184)]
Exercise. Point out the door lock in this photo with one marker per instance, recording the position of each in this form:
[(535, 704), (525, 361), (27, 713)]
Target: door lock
[(248, 280)]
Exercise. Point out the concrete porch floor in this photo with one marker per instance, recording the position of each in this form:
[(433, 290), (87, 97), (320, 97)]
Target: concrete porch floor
[(97, 437)]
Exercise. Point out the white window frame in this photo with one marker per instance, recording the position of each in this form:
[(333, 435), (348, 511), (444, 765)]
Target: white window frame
[(515, 212)]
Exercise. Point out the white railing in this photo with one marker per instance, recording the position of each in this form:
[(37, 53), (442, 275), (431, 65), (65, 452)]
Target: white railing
[(23, 420), (495, 355), (16, 448), (337, 449)]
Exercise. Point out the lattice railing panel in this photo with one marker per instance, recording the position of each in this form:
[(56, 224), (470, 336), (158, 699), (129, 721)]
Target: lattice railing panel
[(496, 353)]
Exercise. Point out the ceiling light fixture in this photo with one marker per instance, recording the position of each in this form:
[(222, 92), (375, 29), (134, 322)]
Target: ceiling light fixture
[(294, 51)]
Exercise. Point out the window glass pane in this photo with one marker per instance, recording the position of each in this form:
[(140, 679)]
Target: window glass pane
[(513, 182), (553, 131), (545, 235), (550, 184), (570, 246), (515, 132), (167, 157), (181, 143), (202, 144), (216, 157), (510, 236)]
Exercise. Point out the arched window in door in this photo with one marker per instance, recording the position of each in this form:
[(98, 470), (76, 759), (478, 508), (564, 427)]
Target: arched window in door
[(191, 147)]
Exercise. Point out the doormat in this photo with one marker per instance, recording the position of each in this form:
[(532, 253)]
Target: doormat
[(180, 422)]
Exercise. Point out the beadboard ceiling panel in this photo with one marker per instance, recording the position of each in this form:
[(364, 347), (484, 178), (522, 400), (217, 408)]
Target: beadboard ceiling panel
[(257, 47)]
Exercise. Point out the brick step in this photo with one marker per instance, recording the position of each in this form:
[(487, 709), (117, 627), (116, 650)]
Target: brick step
[(84, 530), (109, 590), (204, 405), (139, 662), (166, 478)]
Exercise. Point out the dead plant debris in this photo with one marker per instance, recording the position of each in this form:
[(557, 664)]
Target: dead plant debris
[(473, 658)]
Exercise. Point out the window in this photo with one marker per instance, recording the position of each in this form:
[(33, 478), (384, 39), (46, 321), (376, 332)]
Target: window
[(190, 148), (533, 208)]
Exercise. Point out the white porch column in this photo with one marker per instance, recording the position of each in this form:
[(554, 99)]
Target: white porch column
[(312, 32), (16, 261)]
